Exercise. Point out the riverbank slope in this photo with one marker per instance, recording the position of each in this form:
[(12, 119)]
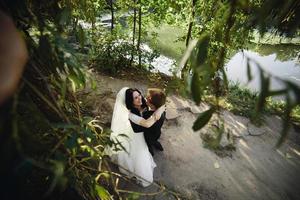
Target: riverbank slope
[(255, 170)]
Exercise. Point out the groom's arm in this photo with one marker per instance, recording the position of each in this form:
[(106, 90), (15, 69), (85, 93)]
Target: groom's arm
[(146, 115), (137, 128), (156, 127), (144, 122)]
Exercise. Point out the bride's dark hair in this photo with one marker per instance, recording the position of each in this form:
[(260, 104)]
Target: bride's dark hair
[(129, 99)]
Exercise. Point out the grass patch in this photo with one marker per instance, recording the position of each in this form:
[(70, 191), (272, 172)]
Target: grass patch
[(242, 101), (272, 38), (167, 40), (219, 139), (238, 100)]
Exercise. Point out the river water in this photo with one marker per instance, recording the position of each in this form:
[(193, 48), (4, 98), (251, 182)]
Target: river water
[(236, 69), (279, 60)]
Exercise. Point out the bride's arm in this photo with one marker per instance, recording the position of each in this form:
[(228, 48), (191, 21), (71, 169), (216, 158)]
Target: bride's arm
[(147, 122)]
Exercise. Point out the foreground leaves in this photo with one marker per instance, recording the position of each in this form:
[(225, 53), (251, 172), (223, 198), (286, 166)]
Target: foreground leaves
[(102, 192), (203, 119)]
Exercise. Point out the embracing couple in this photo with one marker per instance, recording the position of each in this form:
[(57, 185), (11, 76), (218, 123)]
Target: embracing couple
[(136, 124)]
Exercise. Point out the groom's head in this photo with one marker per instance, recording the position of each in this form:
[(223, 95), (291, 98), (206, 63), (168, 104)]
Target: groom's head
[(155, 98)]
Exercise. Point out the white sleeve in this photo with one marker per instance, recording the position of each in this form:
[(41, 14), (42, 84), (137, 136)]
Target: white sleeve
[(135, 118)]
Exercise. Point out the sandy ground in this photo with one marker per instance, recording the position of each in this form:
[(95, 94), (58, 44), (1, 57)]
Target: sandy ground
[(256, 170)]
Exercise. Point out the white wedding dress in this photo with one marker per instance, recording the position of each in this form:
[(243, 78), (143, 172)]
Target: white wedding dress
[(137, 161)]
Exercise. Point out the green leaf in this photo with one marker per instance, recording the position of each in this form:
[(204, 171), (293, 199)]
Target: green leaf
[(295, 89), (81, 36), (243, 4), (105, 175), (264, 84), (65, 16), (249, 75), (202, 49), (75, 81), (93, 84), (63, 89), (133, 196), (64, 125), (195, 88), (203, 119), (86, 120), (218, 32), (72, 141), (58, 179), (286, 122), (89, 134), (102, 193), (224, 78), (118, 143), (188, 54), (81, 76)]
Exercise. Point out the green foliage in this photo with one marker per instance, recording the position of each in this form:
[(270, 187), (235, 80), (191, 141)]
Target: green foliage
[(280, 16), (222, 22), (201, 50), (50, 133), (133, 196), (241, 101), (177, 86), (55, 146), (111, 53), (194, 88), (265, 84), (249, 75), (203, 119), (51, 129), (102, 192), (212, 139), (219, 27)]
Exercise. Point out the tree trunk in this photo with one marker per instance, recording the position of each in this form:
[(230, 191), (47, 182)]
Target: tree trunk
[(133, 33), (188, 36), (75, 23), (189, 33), (112, 15), (140, 32)]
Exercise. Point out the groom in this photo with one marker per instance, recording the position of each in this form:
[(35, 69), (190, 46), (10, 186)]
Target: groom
[(155, 99)]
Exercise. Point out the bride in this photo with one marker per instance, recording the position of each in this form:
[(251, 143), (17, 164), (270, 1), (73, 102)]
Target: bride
[(135, 159)]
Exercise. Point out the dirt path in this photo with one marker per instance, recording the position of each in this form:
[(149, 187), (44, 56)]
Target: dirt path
[(256, 170)]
